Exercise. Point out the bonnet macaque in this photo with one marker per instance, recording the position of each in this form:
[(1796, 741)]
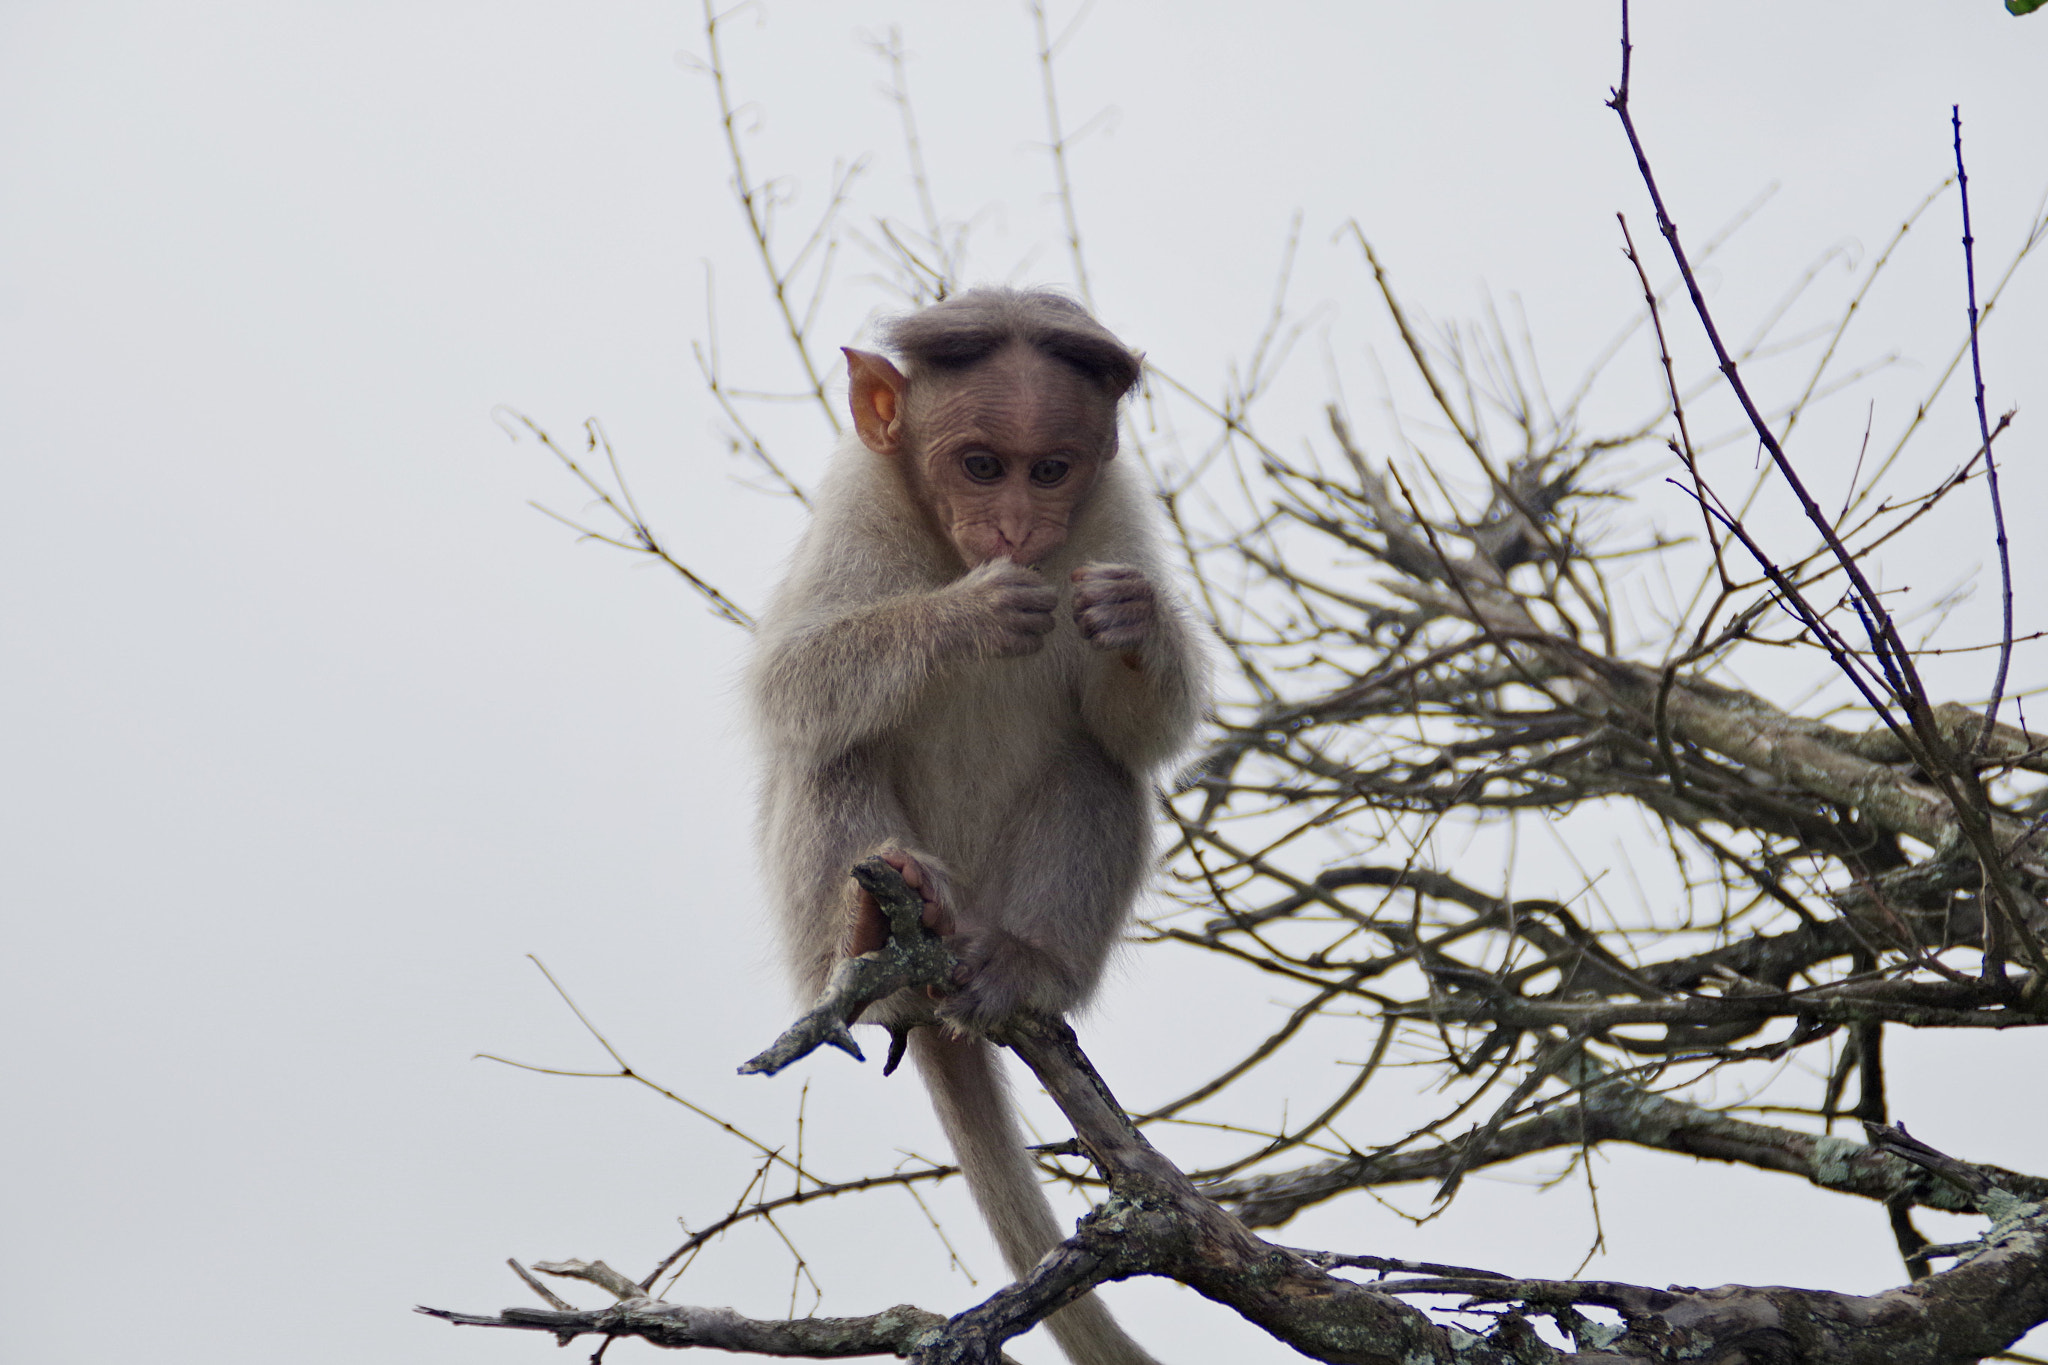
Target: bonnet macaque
[(975, 668)]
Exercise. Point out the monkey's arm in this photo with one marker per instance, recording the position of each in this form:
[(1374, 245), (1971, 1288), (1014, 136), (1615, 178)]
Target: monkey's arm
[(1148, 684), (827, 676)]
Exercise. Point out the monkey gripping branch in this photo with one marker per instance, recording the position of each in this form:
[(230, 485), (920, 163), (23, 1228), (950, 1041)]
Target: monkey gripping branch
[(1155, 1221)]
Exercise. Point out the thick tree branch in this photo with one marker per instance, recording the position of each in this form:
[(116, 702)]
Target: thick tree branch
[(1614, 1110), (894, 1331)]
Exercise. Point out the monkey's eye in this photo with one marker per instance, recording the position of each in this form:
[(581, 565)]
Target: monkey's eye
[(983, 468), (1046, 473)]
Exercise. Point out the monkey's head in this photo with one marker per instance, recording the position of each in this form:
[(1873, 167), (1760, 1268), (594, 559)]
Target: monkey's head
[(1005, 420), (1001, 454)]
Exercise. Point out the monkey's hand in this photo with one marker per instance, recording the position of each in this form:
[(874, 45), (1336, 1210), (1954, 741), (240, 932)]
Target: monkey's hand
[(1115, 605), (1003, 611)]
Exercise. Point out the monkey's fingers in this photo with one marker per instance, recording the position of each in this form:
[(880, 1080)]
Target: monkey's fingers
[(1094, 595), (1030, 619), (1005, 573), (1020, 619), (1034, 600), (1116, 625), (1106, 573), (1112, 597)]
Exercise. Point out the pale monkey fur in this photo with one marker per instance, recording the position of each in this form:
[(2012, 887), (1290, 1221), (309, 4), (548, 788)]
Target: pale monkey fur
[(1021, 785)]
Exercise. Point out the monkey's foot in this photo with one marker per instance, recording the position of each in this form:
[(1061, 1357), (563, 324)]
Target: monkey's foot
[(870, 929), (1001, 974), (908, 957)]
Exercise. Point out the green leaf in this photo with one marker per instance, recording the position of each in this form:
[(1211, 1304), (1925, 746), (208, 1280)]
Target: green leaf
[(2024, 6)]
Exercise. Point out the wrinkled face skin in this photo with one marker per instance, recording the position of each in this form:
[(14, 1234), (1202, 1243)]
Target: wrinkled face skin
[(1003, 456)]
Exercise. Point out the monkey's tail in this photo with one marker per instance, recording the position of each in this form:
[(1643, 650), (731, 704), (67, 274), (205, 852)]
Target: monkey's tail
[(973, 1102)]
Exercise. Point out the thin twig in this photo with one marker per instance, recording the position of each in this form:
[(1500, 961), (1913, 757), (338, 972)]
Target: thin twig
[(1059, 141), (622, 506), (1990, 456), (755, 202)]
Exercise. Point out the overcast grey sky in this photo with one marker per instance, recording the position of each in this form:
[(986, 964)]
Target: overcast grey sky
[(314, 730)]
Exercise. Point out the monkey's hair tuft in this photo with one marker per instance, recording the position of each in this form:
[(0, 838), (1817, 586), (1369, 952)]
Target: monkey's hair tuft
[(970, 327)]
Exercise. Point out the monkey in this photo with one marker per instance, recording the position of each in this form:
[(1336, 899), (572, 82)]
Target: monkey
[(974, 666)]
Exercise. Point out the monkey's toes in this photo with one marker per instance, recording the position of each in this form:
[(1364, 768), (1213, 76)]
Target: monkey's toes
[(935, 916), (978, 1001), (912, 870)]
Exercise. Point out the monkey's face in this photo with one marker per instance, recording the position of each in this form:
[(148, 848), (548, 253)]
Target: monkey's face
[(1008, 452)]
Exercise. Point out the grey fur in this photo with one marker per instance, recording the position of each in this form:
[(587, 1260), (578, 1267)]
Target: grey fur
[(890, 714)]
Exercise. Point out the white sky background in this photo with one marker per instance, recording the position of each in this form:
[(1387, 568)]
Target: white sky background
[(315, 729)]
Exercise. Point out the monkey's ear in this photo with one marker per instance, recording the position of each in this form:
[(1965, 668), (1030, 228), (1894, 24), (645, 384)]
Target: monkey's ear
[(877, 390)]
